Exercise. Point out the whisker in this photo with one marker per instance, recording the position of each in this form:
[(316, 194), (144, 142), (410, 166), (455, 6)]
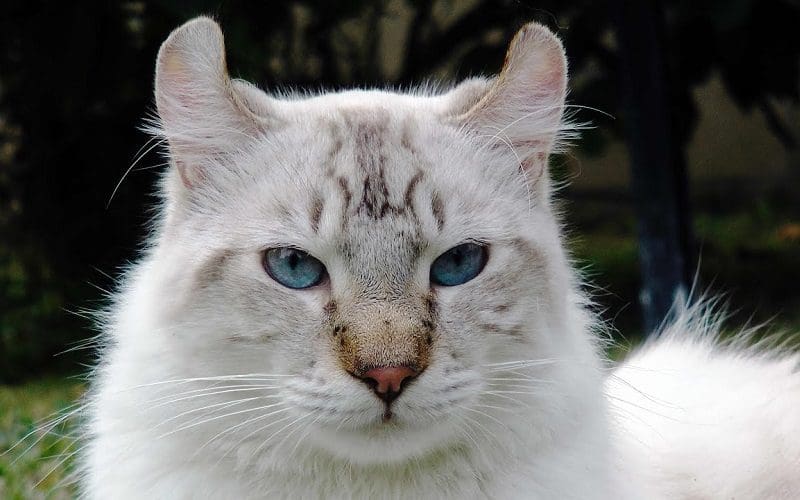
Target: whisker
[(309, 428), (250, 377), (57, 466), (195, 410), (278, 445), (506, 397), (183, 428), (465, 429), (164, 400), (155, 144), (486, 415), (650, 398), (45, 429), (650, 410), (257, 431), (523, 363), (501, 408), (265, 442), (510, 386), (516, 379), (255, 419), (512, 392)]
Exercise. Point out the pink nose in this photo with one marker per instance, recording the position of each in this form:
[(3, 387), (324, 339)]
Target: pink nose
[(387, 381)]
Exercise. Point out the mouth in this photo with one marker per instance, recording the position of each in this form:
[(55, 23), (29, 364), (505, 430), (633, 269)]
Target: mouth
[(386, 420), (384, 437), (387, 413)]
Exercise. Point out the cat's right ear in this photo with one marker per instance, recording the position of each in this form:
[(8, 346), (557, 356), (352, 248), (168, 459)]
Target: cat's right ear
[(522, 110), (203, 115)]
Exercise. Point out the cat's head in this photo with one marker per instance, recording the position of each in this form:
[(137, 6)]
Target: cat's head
[(389, 263)]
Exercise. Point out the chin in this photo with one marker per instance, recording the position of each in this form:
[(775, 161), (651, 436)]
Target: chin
[(382, 442)]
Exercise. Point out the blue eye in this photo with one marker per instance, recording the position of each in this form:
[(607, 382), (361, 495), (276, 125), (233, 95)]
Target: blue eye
[(293, 268), (459, 264)]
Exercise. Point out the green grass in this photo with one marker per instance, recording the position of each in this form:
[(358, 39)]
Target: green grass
[(39, 465)]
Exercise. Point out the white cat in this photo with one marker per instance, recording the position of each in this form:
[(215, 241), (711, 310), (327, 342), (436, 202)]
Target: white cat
[(364, 294)]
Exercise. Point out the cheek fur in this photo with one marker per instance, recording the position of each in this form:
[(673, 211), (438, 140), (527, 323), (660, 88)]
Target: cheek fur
[(498, 302), (233, 296)]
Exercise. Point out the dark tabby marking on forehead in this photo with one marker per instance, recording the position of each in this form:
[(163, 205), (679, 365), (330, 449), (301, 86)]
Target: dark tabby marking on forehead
[(315, 214), (375, 195), (371, 159), (367, 131), (337, 141), (405, 138), (375, 201), (347, 195), (437, 208), (283, 211), (408, 198)]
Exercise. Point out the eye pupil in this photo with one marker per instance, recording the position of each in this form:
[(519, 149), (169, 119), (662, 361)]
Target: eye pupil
[(293, 268), (459, 264)]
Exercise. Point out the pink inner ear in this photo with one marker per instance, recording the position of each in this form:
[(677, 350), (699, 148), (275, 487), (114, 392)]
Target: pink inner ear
[(184, 98), (555, 81), (186, 174), (199, 117), (540, 82), (534, 166), (536, 64), (188, 105)]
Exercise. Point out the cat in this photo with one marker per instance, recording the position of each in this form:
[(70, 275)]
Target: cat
[(365, 294)]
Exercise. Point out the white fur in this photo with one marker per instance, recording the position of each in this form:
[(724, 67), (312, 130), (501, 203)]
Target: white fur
[(705, 418), (217, 382)]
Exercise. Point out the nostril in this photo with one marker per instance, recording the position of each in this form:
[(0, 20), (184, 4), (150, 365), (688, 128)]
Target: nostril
[(388, 381), (371, 383)]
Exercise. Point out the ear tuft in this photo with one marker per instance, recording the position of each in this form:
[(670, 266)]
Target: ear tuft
[(524, 108), (201, 114)]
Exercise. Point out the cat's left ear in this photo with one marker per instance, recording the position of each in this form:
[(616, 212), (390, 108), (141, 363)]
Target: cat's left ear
[(203, 114), (524, 107)]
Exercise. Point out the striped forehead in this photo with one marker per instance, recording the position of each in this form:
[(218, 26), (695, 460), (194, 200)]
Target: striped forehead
[(378, 189), (375, 168)]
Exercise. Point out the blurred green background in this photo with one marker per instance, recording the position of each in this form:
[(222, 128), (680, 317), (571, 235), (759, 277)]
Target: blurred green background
[(76, 82)]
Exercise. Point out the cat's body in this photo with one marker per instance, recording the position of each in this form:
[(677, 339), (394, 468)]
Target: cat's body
[(225, 377), (705, 420)]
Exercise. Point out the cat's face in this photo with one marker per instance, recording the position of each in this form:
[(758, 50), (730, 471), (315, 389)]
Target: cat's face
[(377, 257)]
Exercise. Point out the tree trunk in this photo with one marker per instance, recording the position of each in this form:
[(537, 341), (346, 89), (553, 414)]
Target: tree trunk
[(658, 171)]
